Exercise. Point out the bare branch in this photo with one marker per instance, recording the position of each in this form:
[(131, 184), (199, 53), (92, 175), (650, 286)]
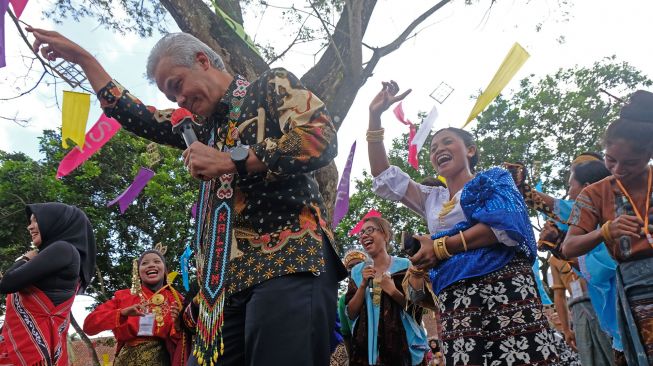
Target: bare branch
[(19, 121), (326, 29), (45, 72), (293, 43), (394, 45)]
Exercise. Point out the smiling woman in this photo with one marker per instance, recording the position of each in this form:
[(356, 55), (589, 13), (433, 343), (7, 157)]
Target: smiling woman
[(144, 319), (617, 210), (479, 252)]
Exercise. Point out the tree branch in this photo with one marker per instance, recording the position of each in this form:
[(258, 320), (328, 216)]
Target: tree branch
[(355, 8), (327, 31), (85, 339), (294, 42)]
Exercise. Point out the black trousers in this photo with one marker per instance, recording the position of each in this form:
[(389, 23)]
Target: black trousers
[(286, 320)]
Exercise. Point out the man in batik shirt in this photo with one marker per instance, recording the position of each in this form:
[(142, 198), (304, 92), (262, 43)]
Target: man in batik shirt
[(281, 282)]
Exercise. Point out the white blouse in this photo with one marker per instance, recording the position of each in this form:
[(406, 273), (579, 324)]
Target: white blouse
[(426, 201)]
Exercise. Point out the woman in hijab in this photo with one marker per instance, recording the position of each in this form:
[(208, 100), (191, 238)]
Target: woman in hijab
[(42, 283), (145, 318)]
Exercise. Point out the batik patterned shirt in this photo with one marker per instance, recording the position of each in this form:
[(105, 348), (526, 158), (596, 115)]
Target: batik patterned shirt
[(279, 213)]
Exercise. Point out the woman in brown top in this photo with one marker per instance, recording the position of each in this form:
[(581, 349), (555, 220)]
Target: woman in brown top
[(617, 210)]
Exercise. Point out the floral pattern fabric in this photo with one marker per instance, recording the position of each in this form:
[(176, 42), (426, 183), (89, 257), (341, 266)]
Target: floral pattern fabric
[(497, 320)]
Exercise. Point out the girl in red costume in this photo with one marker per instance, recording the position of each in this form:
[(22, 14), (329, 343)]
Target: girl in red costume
[(144, 319)]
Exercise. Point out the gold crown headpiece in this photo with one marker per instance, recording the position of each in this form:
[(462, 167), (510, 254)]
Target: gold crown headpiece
[(353, 255)]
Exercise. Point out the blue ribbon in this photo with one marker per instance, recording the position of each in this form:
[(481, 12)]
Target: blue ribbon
[(184, 260)]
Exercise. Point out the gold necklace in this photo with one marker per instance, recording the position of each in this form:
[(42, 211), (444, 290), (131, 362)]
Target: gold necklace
[(447, 207)]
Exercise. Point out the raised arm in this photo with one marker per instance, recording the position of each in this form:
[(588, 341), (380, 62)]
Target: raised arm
[(375, 148), (116, 101)]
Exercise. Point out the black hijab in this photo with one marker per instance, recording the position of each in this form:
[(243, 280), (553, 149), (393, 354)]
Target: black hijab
[(61, 222)]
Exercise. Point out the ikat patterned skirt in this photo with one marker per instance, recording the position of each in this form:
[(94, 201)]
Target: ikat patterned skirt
[(498, 319)]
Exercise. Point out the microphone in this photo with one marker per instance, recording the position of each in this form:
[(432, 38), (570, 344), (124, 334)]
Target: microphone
[(182, 123), (369, 263)]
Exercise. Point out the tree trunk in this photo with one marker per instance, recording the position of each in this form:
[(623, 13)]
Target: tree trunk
[(85, 339)]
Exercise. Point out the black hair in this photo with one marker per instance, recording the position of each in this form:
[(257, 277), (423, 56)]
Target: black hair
[(590, 172), (635, 123), (469, 141), (432, 182)]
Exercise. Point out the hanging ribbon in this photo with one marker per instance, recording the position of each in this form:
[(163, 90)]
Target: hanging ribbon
[(342, 195), (19, 6), (509, 67), (359, 226), (3, 10), (412, 149), (144, 175), (74, 115), (184, 261), (101, 132), (424, 129), (193, 210)]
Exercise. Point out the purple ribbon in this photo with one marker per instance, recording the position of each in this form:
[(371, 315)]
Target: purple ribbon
[(3, 9), (342, 196), (193, 210), (129, 195)]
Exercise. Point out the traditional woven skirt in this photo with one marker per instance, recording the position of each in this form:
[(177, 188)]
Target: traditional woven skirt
[(635, 310), (151, 352), (497, 319)]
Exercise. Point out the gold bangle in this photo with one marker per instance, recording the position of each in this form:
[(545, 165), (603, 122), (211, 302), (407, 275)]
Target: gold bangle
[(375, 135), (462, 237), (440, 248), (605, 231), (444, 246)]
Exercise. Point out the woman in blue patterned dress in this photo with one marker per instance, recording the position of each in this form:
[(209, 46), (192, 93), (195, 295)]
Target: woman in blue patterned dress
[(479, 253)]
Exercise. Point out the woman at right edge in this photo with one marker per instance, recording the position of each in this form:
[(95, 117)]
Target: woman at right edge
[(620, 206), (479, 255)]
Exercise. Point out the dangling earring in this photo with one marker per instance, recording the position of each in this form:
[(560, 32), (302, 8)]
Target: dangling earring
[(136, 279)]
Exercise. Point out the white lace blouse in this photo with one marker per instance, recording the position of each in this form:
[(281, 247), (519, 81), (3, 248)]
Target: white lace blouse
[(426, 201)]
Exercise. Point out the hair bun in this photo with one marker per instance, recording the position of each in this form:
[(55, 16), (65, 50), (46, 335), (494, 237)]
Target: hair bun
[(639, 107)]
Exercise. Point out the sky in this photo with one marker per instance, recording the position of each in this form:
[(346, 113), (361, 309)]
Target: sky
[(460, 45)]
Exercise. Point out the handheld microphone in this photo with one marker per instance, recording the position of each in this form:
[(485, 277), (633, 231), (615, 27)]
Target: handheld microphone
[(182, 123), (369, 263)]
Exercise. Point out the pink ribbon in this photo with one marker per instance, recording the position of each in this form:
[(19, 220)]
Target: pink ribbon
[(412, 149), (101, 132), (19, 6), (359, 226)]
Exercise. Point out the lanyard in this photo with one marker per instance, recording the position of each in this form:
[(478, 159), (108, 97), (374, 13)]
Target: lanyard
[(648, 204)]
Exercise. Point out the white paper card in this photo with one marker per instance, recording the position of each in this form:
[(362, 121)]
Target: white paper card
[(146, 325)]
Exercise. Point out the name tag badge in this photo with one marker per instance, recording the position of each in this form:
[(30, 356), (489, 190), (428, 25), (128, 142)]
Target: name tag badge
[(576, 289), (146, 325)]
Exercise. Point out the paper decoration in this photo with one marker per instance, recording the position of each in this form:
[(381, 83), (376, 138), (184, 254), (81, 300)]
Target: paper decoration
[(359, 226), (424, 129), (3, 10), (19, 6), (412, 151), (144, 175), (236, 27), (342, 195), (184, 261), (74, 115), (101, 132), (172, 276), (193, 210), (511, 64)]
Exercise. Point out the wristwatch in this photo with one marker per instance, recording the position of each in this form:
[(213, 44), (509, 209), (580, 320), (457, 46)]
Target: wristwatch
[(239, 156)]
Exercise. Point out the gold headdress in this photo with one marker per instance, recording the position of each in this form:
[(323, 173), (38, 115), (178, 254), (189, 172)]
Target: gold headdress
[(584, 158), (353, 255)]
